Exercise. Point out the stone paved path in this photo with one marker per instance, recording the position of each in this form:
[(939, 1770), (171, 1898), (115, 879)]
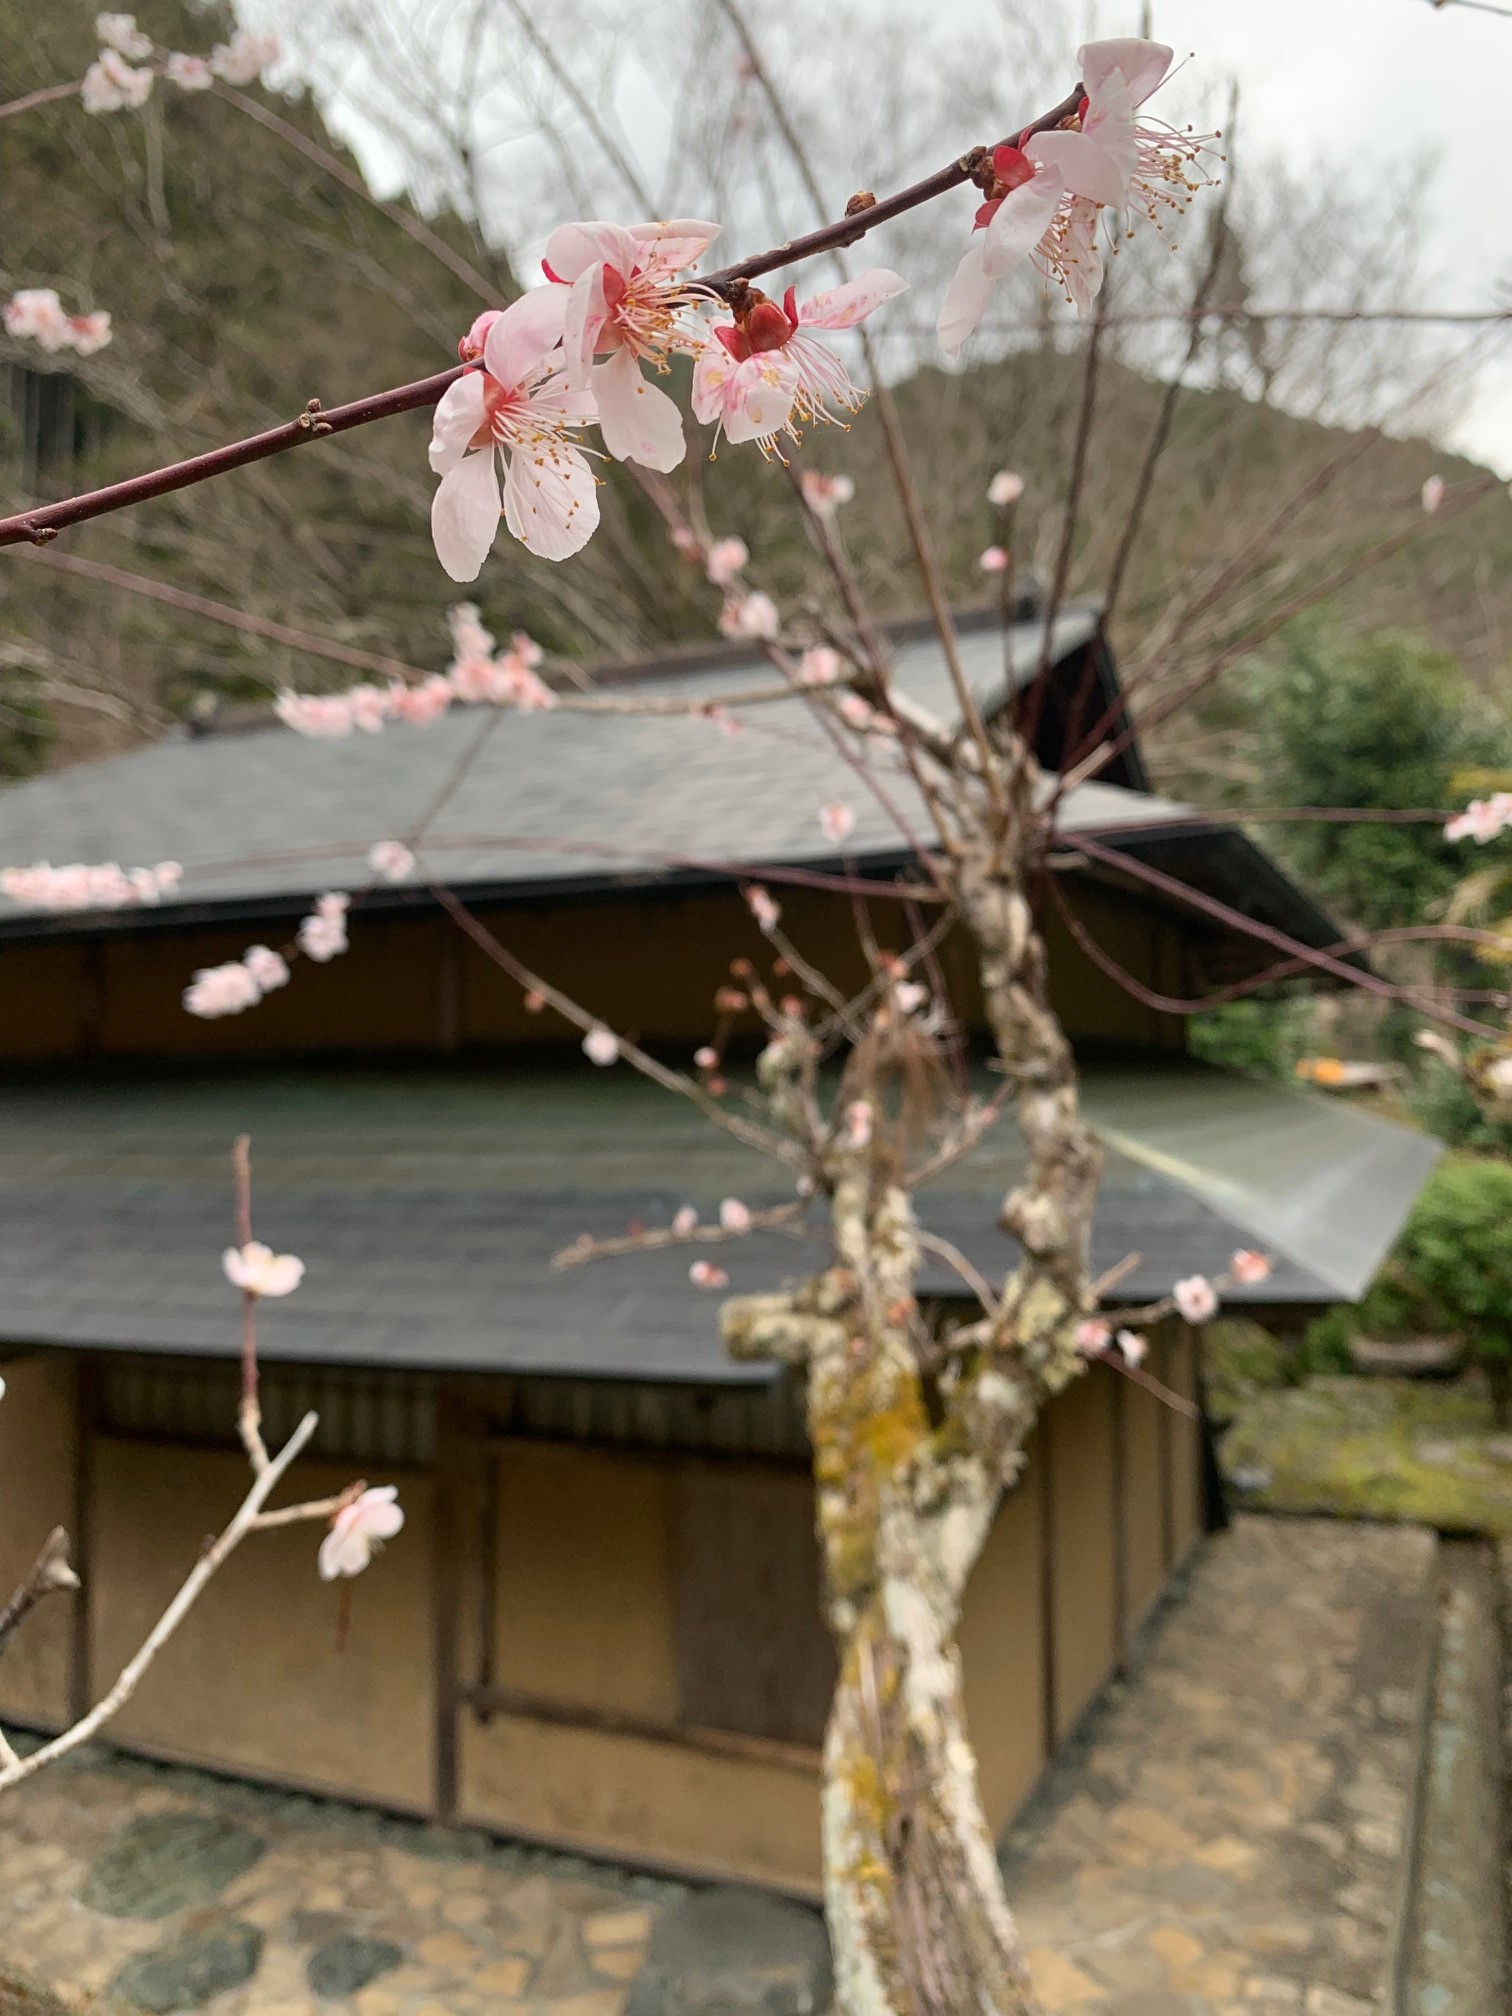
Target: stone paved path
[(1224, 1840)]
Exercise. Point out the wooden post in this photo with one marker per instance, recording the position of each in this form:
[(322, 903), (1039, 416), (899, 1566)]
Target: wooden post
[(1167, 1464), (446, 1597), (1119, 1506), (81, 1651), (1047, 1581)]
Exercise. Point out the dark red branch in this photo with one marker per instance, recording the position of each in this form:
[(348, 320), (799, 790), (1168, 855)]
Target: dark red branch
[(38, 526)]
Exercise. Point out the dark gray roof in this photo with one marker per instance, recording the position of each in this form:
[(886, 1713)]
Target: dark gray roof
[(427, 1207), (550, 802)]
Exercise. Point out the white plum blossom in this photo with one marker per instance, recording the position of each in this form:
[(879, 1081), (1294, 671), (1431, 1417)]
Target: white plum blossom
[(1133, 1347), (516, 407), (725, 560), (704, 1274), (357, 1530), (1248, 1267), (752, 615), (324, 932), (768, 915), (625, 302), (269, 969), (706, 1057), (601, 1045), (120, 32), (1433, 494), (684, 1220), (245, 57), (189, 73), (825, 494), (1195, 1298), (735, 1216), (819, 666), (837, 822), (909, 996), (111, 84), (257, 1270), (1482, 820), (1005, 488), (391, 859), (37, 313), (763, 374), (80, 885)]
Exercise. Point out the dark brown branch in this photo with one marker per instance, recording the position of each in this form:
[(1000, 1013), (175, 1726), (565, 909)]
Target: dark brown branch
[(48, 1575)]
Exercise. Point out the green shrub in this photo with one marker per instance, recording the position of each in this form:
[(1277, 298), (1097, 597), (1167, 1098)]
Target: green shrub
[(1326, 1340), (1262, 1038), (1457, 1247)]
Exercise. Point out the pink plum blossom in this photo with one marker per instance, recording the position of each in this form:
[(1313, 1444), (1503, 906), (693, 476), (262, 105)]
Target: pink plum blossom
[(1005, 488), (684, 1219), (321, 715), (837, 822), (89, 333), (269, 969), (601, 1045), (257, 1270), (1497, 1078), (1133, 1347), (819, 666), (323, 934), (1248, 1267), (358, 1530), (518, 408), (419, 705), (909, 995), (190, 73), (111, 85), (391, 859), (735, 1216), (1433, 494), (370, 707), (625, 302), (1195, 1298), (825, 494), (858, 1123), (215, 991), (752, 615), (768, 915), (245, 57), (704, 1274), (83, 885), (763, 375), (120, 32), (37, 313), (994, 560), (725, 559), (1092, 1337), (706, 1057)]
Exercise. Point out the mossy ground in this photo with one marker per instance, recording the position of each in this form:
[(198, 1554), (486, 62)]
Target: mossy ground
[(1373, 1448)]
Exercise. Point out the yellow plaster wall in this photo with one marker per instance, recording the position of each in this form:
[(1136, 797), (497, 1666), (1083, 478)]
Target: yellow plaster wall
[(38, 1453), (253, 1681)]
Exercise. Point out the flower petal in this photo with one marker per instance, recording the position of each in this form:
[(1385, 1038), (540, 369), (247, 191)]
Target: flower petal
[(966, 298), (1096, 163), (1141, 64), (551, 501), (457, 418), (843, 307), (1019, 224), (760, 396), (711, 376), (527, 331), (638, 421), (586, 313), (573, 248), (465, 515)]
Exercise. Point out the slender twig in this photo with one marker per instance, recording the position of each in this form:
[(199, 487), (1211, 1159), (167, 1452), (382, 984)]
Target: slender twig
[(249, 1413), (955, 1258), (623, 166), (781, 1217), (48, 95), (131, 1674), (48, 1575)]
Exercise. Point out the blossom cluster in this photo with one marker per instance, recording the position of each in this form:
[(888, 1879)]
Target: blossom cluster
[(238, 984), (1046, 197), (575, 352), (82, 885), (479, 675), (1483, 819), (121, 76), (37, 314)]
